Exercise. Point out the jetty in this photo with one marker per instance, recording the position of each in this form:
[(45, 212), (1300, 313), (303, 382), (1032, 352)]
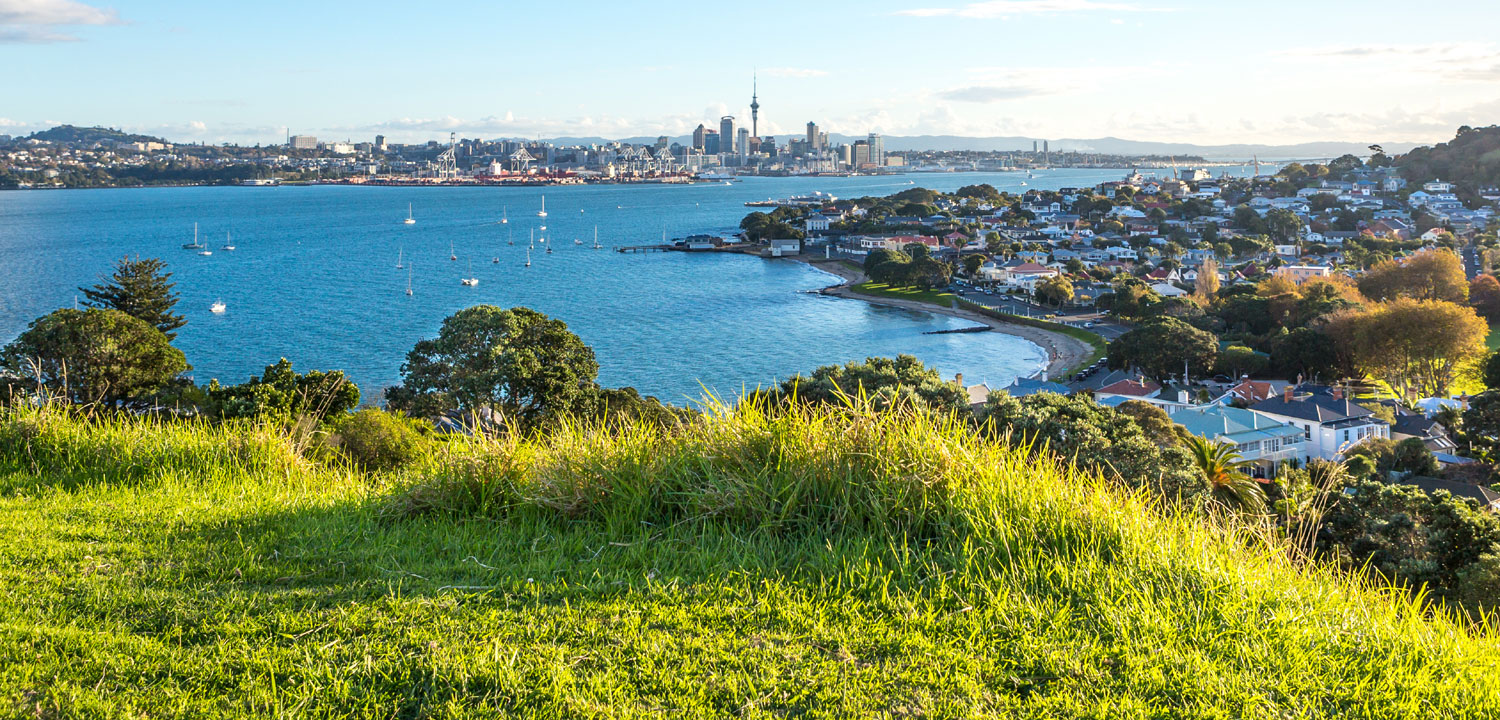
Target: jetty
[(642, 248), (956, 331)]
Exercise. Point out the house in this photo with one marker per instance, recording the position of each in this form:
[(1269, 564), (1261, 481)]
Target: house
[(1434, 235), (1299, 274), (783, 248), (817, 223), (1249, 392), (1168, 290), (1026, 275), (1031, 386), (1330, 423), (1416, 425), (1257, 438), (1165, 275), (896, 242), (1130, 389)]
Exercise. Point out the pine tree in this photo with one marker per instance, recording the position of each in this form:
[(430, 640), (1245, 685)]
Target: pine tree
[(141, 289)]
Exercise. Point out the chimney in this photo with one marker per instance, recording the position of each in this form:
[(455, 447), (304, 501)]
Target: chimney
[(959, 379), (1338, 393), (1286, 394), (1182, 396)]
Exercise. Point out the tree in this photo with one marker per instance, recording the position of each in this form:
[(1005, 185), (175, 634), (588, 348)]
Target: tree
[(1056, 290), (1284, 224), (1153, 420), (902, 380), (887, 266), (1222, 469), (141, 289), (1161, 348), (1427, 275), (1414, 346), (1206, 287), (519, 362), (1490, 372), (1484, 295), (972, 263), (1097, 438), (280, 394), (1238, 360), (93, 356)]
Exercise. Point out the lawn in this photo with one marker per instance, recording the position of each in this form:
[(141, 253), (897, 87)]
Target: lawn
[(935, 297), (821, 563)]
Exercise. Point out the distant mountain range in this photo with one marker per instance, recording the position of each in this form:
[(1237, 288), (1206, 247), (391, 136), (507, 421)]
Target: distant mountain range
[(1104, 146)]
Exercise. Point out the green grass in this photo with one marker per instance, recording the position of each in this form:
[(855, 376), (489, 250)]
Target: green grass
[(1492, 340), (935, 297), (827, 563)]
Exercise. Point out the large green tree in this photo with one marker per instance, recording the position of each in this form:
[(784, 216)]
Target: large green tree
[(517, 362), (141, 289), (92, 356), (281, 394), (883, 380), (1162, 347)]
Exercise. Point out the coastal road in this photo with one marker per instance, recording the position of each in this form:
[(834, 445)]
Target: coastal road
[(1103, 326)]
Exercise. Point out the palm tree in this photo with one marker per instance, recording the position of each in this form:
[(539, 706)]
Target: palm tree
[(1221, 465)]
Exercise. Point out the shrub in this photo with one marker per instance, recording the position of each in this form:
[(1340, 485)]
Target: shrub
[(379, 441)]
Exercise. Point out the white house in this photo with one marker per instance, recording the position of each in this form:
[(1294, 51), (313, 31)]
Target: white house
[(1330, 424), (1257, 438)]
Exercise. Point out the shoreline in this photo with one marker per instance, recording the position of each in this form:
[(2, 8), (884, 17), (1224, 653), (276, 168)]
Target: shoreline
[(1064, 353)]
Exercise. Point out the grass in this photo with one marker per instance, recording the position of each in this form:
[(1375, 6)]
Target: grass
[(935, 297), (818, 563)]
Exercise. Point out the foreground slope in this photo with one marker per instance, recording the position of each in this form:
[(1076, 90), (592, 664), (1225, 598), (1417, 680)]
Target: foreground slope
[(816, 564)]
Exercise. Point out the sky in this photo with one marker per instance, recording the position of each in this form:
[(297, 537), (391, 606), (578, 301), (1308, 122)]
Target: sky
[(1206, 72)]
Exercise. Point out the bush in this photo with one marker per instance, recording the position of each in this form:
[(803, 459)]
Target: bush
[(379, 441)]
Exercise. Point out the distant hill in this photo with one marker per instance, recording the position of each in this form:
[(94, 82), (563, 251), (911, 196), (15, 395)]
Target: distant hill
[(1104, 146), (88, 135), (1471, 160)]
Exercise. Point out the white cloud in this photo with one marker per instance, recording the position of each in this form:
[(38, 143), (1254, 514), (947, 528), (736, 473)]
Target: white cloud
[(1441, 61), (1006, 8), (36, 21), (791, 72), (992, 93)]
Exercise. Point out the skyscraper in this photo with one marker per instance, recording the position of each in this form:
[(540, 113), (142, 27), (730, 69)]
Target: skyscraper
[(877, 149), (812, 135), (754, 107), (742, 144), (726, 134), (698, 137)]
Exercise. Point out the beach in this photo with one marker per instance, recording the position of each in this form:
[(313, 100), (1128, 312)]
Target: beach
[(1064, 353)]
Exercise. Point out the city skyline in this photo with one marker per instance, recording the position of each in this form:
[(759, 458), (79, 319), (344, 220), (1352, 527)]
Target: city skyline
[(1150, 71)]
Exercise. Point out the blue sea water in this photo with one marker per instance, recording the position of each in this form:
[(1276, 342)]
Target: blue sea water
[(314, 277)]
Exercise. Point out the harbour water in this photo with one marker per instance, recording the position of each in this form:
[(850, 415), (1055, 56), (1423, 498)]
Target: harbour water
[(314, 277)]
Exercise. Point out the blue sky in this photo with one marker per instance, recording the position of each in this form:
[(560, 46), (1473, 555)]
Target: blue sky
[(1209, 72)]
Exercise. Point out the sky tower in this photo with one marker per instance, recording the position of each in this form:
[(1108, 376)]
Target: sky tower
[(754, 108)]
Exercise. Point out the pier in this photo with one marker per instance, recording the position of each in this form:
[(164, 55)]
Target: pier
[(642, 248)]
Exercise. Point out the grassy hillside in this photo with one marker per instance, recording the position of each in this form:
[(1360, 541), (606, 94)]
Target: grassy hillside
[(818, 564)]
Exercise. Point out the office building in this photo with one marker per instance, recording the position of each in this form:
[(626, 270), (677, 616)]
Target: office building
[(742, 144), (726, 134), (877, 150), (698, 134), (303, 142), (710, 143)]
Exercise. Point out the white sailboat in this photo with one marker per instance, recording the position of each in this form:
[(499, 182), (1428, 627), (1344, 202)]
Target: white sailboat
[(576, 241), (400, 254), (218, 307), (504, 218), (543, 211), (408, 280), (452, 254), (409, 219), (596, 238), (528, 257), (532, 246), (509, 238), (228, 243), (471, 281)]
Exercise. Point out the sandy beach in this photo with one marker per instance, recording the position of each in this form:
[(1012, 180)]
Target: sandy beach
[(1063, 352)]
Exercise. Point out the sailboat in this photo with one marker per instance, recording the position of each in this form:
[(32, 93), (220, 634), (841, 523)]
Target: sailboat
[(543, 211), (509, 239), (408, 280), (452, 255), (194, 245), (504, 218), (533, 241), (409, 219), (549, 249), (596, 238), (399, 256), (528, 257), (576, 241), (228, 243), (471, 281), (218, 307)]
